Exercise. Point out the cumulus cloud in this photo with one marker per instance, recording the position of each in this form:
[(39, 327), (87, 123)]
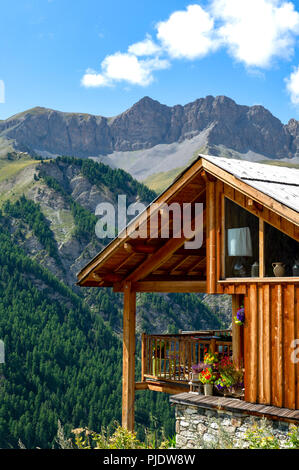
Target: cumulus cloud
[(145, 48), (92, 79), (125, 67), (256, 31), (188, 34), (292, 84)]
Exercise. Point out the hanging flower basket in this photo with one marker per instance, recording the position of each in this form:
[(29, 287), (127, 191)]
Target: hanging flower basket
[(240, 317)]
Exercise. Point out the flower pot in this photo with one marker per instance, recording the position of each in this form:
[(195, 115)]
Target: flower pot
[(195, 376), (208, 389)]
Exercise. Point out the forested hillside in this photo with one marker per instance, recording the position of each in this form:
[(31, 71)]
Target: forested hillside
[(63, 344), (63, 362)]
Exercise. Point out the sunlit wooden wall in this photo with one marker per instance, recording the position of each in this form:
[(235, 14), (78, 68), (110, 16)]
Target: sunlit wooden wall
[(272, 325)]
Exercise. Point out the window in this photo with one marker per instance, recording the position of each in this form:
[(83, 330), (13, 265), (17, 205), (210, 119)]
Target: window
[(242, 242), (281, 253)]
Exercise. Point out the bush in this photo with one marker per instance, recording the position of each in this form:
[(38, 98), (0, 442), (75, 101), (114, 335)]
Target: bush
[(120, 439)]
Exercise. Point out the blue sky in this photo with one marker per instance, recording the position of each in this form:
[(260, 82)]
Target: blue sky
[(101, 57)]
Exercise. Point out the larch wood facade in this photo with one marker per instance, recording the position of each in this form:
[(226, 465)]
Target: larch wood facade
[(131, 265)]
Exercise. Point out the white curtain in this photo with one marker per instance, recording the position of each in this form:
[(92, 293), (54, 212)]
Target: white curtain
[(239, 242)]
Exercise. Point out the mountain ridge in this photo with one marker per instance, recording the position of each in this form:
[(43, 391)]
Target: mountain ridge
[(149, 123)]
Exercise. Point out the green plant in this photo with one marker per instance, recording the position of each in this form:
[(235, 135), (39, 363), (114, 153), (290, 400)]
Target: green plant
[(229, 376), (293, 442), (169, 443), (120, 439), (261, 437), (207, 376)]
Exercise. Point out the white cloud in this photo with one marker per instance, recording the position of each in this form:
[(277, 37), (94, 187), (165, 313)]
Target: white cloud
[(124, 67), (292, 84), (256, 31), (92, 79), (129, 68), (187, 34), (145, 47)]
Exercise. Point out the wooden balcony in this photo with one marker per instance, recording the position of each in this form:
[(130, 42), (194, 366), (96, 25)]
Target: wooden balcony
[(168, 359)]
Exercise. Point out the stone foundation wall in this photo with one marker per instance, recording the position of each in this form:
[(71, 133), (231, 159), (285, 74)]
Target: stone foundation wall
[(199, 427)]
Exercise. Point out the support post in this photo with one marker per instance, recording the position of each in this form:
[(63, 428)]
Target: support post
[(211, 236), (237, 337), (128, 381), (261, 247)]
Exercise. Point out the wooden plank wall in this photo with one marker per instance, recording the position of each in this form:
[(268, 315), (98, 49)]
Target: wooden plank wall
[(272, 325)]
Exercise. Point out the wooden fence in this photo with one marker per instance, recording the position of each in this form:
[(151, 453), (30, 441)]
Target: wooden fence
[(170, 357)]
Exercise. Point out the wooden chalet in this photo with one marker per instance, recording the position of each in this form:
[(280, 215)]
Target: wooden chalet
[(250, 250)]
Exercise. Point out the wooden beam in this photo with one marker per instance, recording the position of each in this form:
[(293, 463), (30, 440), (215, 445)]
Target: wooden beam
[(251, 333), (161, 255), (211, 236), (102, 278), (185, 286), (139, 248), (223, 237), (128, 381), (261, 351), (219, 186), (279, 350), (266, 343), (159, 386)]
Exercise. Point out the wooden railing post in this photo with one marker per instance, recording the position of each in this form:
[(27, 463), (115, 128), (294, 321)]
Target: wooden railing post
[(128, 381), (143, 356)]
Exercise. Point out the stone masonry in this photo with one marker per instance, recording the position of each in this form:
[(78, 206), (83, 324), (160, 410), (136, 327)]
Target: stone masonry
[(199, 427)]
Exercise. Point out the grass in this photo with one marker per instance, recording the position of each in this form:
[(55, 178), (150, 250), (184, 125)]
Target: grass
[(160, 181), (9, 169)]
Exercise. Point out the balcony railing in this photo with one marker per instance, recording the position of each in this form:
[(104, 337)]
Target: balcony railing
[(170, 357)]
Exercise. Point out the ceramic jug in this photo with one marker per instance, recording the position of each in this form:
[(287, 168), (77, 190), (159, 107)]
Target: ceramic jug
[(278, 269)]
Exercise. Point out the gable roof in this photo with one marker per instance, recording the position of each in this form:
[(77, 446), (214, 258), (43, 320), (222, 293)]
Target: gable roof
[(278, 182), (276, 188)]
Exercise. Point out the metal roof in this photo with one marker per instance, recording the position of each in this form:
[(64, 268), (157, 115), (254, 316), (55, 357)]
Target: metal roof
[(279, 182)]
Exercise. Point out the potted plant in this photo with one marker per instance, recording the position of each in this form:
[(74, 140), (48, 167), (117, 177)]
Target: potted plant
[(207, 377), (230, 380), (196, 369)]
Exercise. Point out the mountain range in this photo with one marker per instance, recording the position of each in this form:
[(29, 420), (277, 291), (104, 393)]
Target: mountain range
[(151, 138)]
